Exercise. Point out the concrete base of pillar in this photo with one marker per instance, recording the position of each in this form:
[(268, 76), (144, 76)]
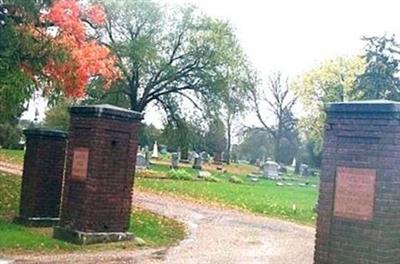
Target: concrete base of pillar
[(86, 238)]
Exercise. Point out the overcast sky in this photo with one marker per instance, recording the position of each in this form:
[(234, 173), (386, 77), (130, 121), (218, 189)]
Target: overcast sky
[(292, 36)]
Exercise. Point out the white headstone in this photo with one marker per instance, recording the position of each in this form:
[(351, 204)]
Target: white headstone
[(270, 170), (155, 151)]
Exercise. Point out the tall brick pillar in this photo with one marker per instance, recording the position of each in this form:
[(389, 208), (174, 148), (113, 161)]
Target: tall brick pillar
[(101, 156), (42, 177), (359, 200)]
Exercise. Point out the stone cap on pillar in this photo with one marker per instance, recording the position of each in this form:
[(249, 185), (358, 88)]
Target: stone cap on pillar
[(364, 106), (364, 109), (44, 132), (105, 111)]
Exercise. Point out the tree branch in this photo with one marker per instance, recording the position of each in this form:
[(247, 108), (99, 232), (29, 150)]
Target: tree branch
[(254, 96)]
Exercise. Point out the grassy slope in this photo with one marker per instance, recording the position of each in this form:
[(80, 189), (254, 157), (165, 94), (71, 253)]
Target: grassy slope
[(154, 229), (264, 198), (292, 203), (12, 156)]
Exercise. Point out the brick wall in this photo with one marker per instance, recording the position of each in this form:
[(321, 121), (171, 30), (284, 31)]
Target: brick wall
[(364, 135), (43, 173), (101, 202)]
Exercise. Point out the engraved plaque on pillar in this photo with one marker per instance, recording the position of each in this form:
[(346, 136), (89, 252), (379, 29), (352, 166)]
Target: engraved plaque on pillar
[(355, 193), (80, 164)]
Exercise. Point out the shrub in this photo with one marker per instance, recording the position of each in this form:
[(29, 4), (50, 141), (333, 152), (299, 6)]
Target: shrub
[(212, 179), (234, 179), (179, 175), (10, 136)]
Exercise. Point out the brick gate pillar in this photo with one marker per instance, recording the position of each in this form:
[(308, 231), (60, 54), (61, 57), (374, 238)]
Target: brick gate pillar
[(359, 200), (101, 156), (42, 177)]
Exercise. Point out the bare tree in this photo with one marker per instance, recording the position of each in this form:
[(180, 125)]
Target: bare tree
[(228, 114), (279, 105)]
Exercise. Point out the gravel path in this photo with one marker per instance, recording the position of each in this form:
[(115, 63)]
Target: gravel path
[(10, 168), (226, 236), (215, 236)]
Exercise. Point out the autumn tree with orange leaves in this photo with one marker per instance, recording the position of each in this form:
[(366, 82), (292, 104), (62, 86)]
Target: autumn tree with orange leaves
[(45, 45)]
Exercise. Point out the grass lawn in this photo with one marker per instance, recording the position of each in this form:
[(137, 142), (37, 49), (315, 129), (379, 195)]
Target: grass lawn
[(154, 229), (294, 203), (12, 156)]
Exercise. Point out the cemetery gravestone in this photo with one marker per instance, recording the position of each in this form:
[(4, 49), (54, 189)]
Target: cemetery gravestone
[(141, 162), (179, 154), (205, 157), (270, 169), (174, 161), (147, 154), (203, 174), (184, 155), (234, 157), (359, 201), (304, 170), (155, 151), (97, 194), (224, 156), (42, 177), (197, 164), (193, 155), (163, 150)]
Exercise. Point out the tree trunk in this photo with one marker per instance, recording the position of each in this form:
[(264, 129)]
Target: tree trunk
[(277, 146), (297, 167), (228, 147)]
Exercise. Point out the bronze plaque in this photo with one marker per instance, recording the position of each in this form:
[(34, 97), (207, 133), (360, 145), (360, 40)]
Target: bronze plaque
[(355, 193), (80, 164)]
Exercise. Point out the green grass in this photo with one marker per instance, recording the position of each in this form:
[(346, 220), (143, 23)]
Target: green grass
[(12, 156), (293, 203), (154, 229)]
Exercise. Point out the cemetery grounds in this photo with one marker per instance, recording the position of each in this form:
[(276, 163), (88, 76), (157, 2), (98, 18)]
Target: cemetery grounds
[(292, 199)]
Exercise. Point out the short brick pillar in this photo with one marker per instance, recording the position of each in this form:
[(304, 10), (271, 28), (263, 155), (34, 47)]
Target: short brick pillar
[(42, 177), (359, 200), (101, 156)]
